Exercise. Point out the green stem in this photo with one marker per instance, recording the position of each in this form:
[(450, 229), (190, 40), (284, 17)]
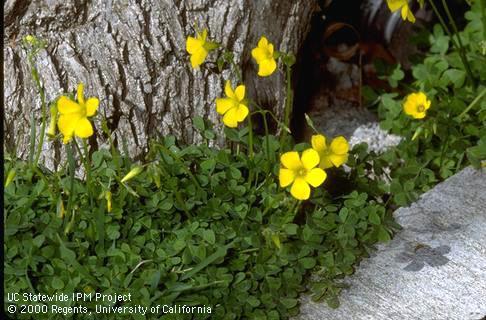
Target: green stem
[(482, 4), (288, 104), (35, 75), (87, 167), (451, 36), (250, 137), (72, 165), (473, 103), (461, 46)]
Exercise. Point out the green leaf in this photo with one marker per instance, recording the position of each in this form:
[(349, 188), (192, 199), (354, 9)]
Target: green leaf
[(374, 218)]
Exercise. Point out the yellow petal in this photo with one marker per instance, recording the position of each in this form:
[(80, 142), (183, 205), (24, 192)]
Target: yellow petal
[(338, 159), (427, 104), (410, 16), (263, 42), (81, 93), (83, 129), (224, 104), (300, 189), (67, 106), (241, 112), (240, 93), (198, 57), (316, 177), (318, 142), (394, 5), (92, 106), (291, 160), (339, 145), (192, 45), (325, 162), (230, 118), (259, 54), (286, 177), (419, 115), (267, 67), (229, 91), (310, 158), (67, 123)]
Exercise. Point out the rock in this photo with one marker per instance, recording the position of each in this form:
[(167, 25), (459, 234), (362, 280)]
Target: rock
[(435, 268)]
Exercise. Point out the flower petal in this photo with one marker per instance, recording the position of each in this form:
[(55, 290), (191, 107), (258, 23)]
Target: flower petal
[(410, 16), (318, 142), (259, 54), (339, 145), (267, 67), (325, 162), (193, 45), (310, 158), (81, 93), (224, 104), (92, 106), (394, 5), (286, 177), (240, 93), (230, 118), (241, 112), (263, 42), (67, 106), (66, 124), (229, 91), (291, 160), (338, 159), (83, 129), (198, 57), (316, 177), (300, 189)]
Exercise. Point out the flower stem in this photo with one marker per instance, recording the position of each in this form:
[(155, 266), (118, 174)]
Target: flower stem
[(453, 41), (473, 103), (461, 46), (288, 104), (35, 75)]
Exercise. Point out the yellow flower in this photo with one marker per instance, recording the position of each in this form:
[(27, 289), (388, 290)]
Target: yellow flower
[(416, 105), (263, 55), (233, 107), (199, 48), (73, 119), (396, 5), (300, 172), (334, 155)]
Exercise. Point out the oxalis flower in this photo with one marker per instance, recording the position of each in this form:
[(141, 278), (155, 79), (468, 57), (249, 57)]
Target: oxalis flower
[(73, 119), (335, 154), (416, 105), (263, 55), (233, 107), (301, 172), (396, 5), (199, 48)]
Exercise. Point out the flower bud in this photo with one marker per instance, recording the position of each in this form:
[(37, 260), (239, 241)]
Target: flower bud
[(108, 201), (10, 177), (134, 172)]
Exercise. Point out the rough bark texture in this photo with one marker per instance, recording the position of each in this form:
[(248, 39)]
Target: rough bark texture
[(131, 54)]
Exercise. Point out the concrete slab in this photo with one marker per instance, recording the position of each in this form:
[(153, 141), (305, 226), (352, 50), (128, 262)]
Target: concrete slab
[(433, 269)]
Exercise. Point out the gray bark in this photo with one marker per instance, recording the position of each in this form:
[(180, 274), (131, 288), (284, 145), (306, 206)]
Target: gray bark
[(131, 54)]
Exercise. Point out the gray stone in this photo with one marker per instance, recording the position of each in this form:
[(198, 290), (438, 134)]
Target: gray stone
[(435, 268)]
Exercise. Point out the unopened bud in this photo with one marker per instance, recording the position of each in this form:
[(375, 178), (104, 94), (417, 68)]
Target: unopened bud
[(10, 177), (108, 201), (130, 175)]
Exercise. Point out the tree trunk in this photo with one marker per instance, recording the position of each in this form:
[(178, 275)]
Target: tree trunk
[(131, 54)]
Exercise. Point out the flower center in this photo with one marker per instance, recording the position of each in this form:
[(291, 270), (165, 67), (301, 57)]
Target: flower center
[(420, 108), (302, 172)]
